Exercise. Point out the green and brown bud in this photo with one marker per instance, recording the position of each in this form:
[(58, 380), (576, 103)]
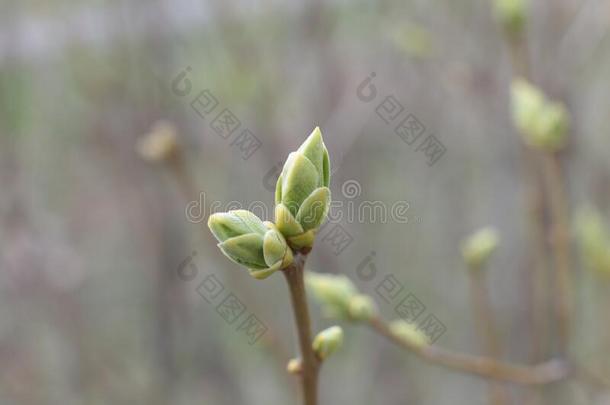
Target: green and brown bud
[(477, 248), (408, 332), (302, 196), (248, 241), (594, 240), (542, 123), (327, 342)]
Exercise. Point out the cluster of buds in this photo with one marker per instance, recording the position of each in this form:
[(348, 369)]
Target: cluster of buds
[(339, 297), (302, 201), (542, 123)]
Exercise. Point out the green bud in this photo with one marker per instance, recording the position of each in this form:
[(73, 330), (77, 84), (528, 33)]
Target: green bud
[(327, 342), (477, 248), (302, 195), (333, 292), (408, 332), (512, 14), (542, 123), (362, 308), (594, 240), (246, 240)]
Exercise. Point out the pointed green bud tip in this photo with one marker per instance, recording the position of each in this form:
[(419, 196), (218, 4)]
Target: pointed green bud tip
[(477, 248), (225, 225), (295, 366), (334, 293), (248, 241), (594, 240), (408, 332), (542, 123), (361, 308), (512, 15), (302, 191), (327, 342)]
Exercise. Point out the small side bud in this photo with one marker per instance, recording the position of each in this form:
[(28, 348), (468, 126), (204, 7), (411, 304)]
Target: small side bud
[(477, 249), (333, 292), (294, 366), (512, 15), (408, 332), (542, 123), (327, 342), (594, 240), (362, 308), (159, 144)]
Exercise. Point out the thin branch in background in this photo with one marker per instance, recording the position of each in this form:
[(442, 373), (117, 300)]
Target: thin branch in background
[(162, 145), (486, 328), (560, 242), (543, 373)]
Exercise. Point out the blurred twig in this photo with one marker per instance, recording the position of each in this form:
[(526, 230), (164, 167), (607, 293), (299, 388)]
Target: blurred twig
[(560, 235), (543, 373), (486, 328), (176, 163)]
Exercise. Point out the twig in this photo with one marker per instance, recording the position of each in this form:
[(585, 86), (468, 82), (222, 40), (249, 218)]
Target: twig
[(310, 363), (486, 328), (542, 373), (560, 242)]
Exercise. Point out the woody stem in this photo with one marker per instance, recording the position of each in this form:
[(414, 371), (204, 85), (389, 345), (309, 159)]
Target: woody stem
[(296, 284)]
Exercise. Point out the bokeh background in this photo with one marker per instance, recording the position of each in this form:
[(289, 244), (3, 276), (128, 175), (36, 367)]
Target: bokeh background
[(93, 308)]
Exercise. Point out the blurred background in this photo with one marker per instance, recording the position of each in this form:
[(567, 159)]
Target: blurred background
[(112, 288)]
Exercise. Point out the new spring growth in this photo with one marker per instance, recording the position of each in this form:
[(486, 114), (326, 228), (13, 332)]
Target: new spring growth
[(477, 248), (594, 240), (512, 15), (542, 123), (408, 332), (327, 342), (248, 241), (159, 144), (339, 298), (294, 366), (302, 196)]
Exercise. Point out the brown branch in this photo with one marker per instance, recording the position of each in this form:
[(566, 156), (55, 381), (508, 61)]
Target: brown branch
[(560, 242), (487, 332), (542, 373), (310, 363)]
